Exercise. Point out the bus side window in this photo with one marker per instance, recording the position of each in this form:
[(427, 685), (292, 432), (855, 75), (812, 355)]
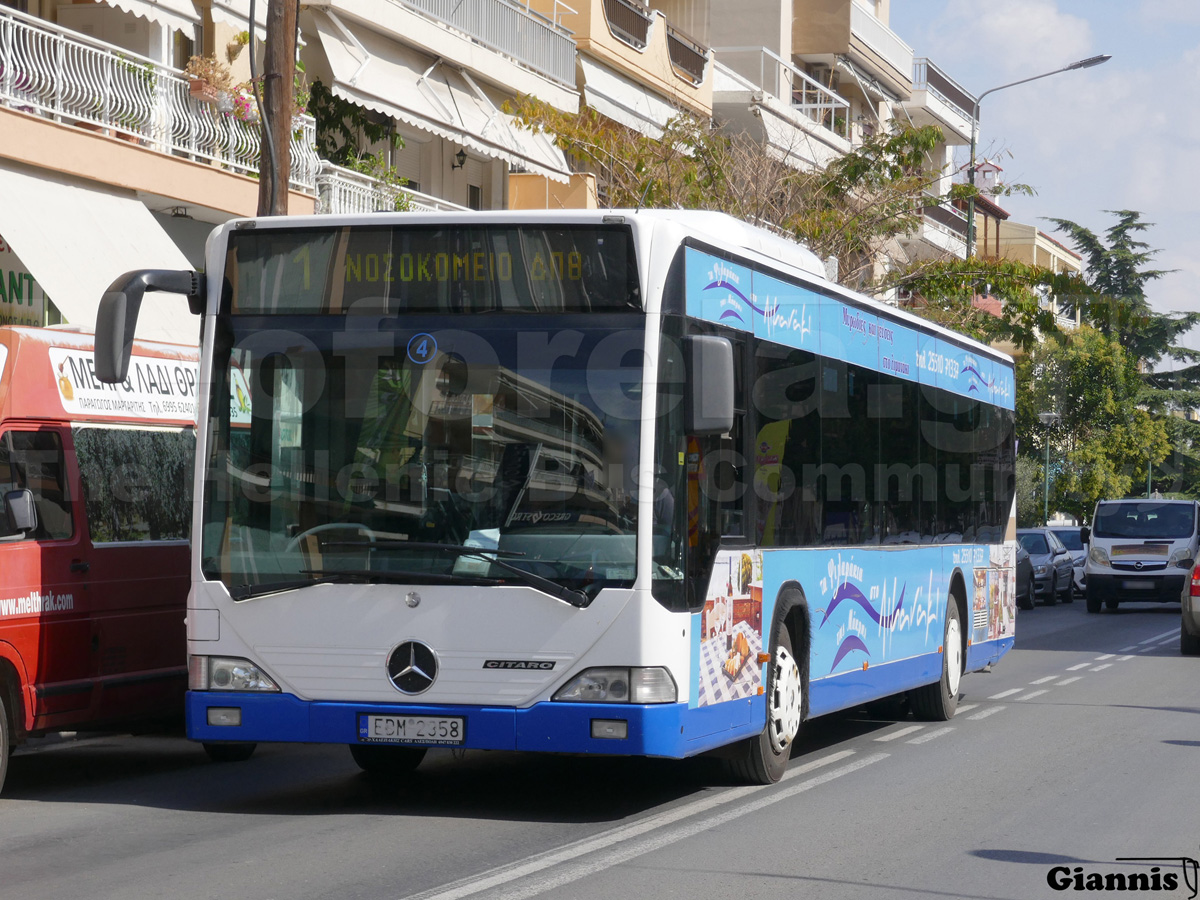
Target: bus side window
[(730, 473), (33, 461)]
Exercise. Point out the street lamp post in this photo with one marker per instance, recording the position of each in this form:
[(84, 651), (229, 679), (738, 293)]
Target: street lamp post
[(1047, 419), (1079, 64), (1149, 469)]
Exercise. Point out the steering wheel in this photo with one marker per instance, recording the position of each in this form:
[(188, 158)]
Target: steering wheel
[(328, 526)]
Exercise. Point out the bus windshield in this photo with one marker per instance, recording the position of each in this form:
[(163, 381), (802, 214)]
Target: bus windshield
[(1145, 520), (377, 386)]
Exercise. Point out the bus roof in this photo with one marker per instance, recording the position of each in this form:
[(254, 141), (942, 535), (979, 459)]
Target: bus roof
[(48, 373)]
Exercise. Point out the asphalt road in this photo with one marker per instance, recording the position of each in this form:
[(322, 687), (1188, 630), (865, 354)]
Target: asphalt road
[(1080, 747)]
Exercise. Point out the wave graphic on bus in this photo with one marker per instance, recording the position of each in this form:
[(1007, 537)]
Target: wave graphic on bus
[(852, 642), (850, 592), (733, 313)]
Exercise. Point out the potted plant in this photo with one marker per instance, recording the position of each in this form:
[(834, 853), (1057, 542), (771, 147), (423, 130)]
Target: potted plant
[(207, 76)]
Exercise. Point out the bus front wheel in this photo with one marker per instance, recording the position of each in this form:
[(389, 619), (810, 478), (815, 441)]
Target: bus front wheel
[(936, 702), (5, 747), (764, 759)]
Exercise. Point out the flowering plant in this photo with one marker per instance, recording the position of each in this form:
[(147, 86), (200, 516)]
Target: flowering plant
[(209, 69)]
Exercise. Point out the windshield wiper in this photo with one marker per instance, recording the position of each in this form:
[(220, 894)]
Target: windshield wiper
[(575, 597), (246, 591), (347, 576)]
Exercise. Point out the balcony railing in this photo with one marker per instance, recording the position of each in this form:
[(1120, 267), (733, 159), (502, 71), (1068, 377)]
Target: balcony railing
[(68, 77), (629, 22), (781, 79), (510, 29), (688, 57), (341, 190), (880, 38), (949, 218), (928, 77)]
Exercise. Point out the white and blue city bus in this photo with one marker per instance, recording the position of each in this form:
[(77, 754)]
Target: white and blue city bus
[(611, 482)]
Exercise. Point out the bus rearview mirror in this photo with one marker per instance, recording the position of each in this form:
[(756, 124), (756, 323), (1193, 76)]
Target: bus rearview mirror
[(1085, 534), (116, 320), (710, 385)]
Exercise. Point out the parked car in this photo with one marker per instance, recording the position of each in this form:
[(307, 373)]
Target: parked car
[(1025, 588), (1069, 535), (1053, 567)]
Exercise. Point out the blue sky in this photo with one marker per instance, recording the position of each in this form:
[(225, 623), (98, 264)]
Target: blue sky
[(1125, 135)]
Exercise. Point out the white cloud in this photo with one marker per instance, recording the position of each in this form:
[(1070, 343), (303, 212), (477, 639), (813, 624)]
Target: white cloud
[(1019, 36), (1171, 12)]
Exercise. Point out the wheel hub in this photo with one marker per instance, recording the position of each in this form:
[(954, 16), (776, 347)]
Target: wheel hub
[(787, 701), (953, 656)]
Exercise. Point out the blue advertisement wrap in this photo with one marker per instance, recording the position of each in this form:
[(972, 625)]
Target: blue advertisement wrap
[(738, 297)]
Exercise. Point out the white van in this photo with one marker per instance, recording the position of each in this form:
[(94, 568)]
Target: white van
[(1140, 550)]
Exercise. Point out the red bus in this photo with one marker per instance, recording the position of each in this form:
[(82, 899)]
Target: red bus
[(96, 484)]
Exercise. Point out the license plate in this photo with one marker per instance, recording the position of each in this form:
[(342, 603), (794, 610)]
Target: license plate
[(442, 730), (1135, 585)]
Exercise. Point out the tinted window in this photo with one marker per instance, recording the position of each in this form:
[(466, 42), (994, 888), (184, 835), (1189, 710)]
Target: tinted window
[(1070, 538), (137, 485), (1034, 543), (33, 461), (1145, 520)]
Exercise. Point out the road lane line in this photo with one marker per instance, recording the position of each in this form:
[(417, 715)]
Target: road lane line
[(1078, 667), (987, 712), (1044, 680), (1127, 649), (936, 733), (1159, 637), (1104, 657), (599, 861), (963, 707), (502, 874), (1070, 680), (1123, 658), (1172, 639), (1003, 694), (1029, 696), (1145, 649), (901, 733), (1101, 668)]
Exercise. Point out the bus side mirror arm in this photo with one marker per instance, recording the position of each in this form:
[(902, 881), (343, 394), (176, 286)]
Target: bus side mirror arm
[(711, 379), (116, 320)]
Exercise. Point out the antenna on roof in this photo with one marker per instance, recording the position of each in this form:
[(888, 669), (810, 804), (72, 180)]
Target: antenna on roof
[(643, 198)]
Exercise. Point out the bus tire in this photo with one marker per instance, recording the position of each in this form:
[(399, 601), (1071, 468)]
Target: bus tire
[(229, 753), (386, 762), (936, 702), (6, 744), (763, 759)]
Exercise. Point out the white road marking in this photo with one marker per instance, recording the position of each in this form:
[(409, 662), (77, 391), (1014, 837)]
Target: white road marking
[(1070, 680), (1003, 694), (1145, 649), (1029, 696), (1104, 657), (1127, 649), (936, 733), (1101, 668), (1123, 658), (1044, 680), (1078, 667), (963, 707), (1159, 637), (1172, 639), (593, 848), (901, 733), (987, 712)]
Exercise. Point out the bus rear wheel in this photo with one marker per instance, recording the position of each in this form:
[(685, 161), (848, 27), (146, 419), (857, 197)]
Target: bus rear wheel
[(937, 702), (386, 762), (5, 745), (764, 759), (232, 752)]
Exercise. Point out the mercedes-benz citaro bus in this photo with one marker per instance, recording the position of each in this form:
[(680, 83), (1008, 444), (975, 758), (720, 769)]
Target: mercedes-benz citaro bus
[(96, 489), (606, 482)]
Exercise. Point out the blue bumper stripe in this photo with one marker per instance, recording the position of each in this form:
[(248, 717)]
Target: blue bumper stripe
[(670, 730)]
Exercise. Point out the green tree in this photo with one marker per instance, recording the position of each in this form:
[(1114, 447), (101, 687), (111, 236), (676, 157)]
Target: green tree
[(1103, 440), (1028, 486)]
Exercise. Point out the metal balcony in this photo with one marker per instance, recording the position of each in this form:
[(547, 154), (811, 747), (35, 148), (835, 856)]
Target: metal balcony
[(776, 76), (881, 39), (510, 29), (629, 22), (928, 77), (70, 78), (341, 190), (688, 57)]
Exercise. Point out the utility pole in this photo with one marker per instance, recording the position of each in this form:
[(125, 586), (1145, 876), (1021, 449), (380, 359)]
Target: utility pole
[(279, 75)]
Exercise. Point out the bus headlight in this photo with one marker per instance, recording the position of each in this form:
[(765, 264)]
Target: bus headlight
[(1099, 556), (620, 685), (222, 673)]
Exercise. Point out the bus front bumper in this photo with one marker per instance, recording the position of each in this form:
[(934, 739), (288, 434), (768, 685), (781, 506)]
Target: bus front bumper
[(667, 729)]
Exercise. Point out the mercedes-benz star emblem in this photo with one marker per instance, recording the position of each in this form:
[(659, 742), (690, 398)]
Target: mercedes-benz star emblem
[(412, 667)]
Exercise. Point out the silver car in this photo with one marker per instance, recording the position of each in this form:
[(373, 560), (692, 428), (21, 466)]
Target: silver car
[(1069, 535), (1053, 567)]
